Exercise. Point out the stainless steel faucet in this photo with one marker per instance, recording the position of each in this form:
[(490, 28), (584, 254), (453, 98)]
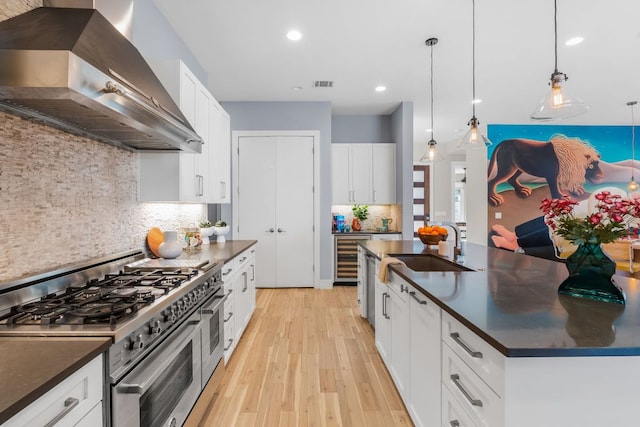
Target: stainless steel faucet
[(457, 249)]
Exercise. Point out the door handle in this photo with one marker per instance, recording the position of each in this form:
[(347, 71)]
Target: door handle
[(280, 230), (271, 230)]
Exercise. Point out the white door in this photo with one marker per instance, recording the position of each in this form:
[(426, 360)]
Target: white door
[(276, 207)]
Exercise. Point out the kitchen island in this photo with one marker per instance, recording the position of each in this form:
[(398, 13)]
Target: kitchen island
[(510, 351)]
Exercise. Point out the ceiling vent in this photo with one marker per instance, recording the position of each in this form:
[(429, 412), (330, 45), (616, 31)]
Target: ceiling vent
[(323, 83)]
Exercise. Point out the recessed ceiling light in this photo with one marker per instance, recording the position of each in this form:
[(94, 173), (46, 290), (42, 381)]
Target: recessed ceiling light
[(574, 41), (294, 35), (428, 130), (297, 88), (476, 101), (381, 88)]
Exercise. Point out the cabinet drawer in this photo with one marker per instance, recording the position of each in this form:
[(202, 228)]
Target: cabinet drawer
[(452, 413), (473, 395), (68, 402), (485, 360), (228, 269)]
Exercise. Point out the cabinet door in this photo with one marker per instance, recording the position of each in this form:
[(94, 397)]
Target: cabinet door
[(341, 174), (220, 154), (382, 322), (398, 311), (202, 191), (384, 173), (424, 403), (360, 161)]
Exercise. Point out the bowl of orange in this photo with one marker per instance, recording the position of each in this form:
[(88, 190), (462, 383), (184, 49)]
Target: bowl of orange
[(432, 234)]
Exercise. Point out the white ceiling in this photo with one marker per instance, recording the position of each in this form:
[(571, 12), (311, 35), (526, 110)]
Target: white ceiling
[(360, 44)]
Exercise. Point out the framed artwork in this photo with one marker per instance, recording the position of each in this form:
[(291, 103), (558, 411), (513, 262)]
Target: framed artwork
[(528, 163)]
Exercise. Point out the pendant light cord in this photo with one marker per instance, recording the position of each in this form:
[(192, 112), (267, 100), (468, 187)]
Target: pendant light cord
[(473, 56), (431, 93), (555, 34), (633, 138)]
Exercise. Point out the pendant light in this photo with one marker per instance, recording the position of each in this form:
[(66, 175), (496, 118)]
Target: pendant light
[(633, 185), (558, 105), (432, 154), (474, 138)]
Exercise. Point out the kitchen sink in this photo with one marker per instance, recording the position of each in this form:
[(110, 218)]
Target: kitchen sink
[(429, 263)]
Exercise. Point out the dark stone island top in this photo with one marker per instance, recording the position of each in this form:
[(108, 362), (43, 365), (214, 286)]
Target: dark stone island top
[(31, 366), (511, 302)]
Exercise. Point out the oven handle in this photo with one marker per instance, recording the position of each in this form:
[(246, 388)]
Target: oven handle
[(142, 387), (213, 309)]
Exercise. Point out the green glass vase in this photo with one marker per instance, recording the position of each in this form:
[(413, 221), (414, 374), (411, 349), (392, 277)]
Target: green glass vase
[(591, 273)]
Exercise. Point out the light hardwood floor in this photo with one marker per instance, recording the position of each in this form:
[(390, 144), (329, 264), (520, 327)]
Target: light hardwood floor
[(307, 358)]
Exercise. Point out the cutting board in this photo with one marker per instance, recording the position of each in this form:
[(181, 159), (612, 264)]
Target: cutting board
[(154, 238)]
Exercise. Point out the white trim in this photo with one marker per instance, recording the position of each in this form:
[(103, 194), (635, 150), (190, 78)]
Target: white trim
[(325, 284), (315, 134)]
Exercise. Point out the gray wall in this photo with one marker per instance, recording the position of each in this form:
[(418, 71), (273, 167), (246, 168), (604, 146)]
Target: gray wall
[(402, 133), (156, 39), (274, 116), (359, 128)]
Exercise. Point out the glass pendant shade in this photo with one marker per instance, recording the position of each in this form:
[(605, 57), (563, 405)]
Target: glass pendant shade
[(558, 105), (433, 154), (474, 138), (633, 185)]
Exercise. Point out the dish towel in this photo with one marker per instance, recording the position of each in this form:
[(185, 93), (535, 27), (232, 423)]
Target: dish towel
[(383, 270)]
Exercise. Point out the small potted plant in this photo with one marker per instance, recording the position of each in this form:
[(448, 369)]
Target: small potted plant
[(220, 228), (360, 213), (206, 230)]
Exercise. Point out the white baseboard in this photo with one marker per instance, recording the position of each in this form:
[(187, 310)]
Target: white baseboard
[(325, 284)]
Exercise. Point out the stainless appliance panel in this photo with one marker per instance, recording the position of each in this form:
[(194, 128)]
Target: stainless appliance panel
[(212, 334), (371, 290), (165, 385)]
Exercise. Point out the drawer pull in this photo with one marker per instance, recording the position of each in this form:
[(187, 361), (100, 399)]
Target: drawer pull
[(229, 318), (69, 404), (454, 423), (413, 294), (227, 272), (456, 337), (229, 346), (456, 380)]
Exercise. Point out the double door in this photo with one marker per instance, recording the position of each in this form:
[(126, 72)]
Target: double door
[(276, 207)]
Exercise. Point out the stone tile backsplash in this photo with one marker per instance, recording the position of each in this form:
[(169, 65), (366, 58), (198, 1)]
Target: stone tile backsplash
[(66, 199)]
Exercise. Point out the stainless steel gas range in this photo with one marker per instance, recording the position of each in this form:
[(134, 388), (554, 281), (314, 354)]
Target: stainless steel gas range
[(164, 317)]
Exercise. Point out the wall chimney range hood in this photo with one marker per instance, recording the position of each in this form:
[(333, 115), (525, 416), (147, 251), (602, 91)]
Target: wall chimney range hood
[(71, 68)]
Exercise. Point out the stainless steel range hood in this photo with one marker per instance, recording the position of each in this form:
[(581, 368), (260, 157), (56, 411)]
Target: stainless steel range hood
[(71, 68)]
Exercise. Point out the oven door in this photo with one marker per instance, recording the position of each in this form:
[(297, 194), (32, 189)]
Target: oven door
[(212, 334), (162, 389)]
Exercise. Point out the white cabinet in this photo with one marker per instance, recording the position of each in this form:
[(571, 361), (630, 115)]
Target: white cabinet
[(424, 395), (363, 173), (383, 173), (76, 401), (239, 276), (220, 154), (189, 177), (392, 334)]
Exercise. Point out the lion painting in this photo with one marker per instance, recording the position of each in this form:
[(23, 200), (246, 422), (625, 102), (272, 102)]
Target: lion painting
[(565, 163)]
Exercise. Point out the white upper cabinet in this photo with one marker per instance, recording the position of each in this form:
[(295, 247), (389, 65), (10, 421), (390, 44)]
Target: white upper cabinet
[(187, 177), (363, 173), (383, 173), (220, 155)]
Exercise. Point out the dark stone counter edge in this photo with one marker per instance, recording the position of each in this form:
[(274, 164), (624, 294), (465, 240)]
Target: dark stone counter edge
[(359, 233), (512, 352), (49, 384)]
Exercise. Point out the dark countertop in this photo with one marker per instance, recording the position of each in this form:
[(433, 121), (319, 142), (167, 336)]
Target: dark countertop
[(219, 251), (511, 301), (31, 366), (355, 233)]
